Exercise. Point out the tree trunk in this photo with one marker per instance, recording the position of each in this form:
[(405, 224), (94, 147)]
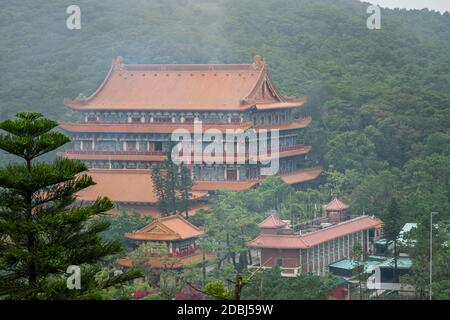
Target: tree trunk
[(243, 263), (233, 260), (395, 263), (32, 273), (203, 269), (238, 287)]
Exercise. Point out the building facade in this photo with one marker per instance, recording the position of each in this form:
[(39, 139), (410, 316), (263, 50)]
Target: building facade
[(127, 123), (312, 252)]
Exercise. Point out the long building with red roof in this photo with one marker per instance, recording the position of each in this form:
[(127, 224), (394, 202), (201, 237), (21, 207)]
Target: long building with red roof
[(128, 121), (312, 252)]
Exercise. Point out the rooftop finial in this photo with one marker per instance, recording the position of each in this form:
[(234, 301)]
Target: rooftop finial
[(118, 62), (258, 62)]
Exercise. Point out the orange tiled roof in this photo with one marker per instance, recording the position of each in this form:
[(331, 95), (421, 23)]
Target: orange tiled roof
[(160, 156), (134, 186), (301, 175), (316, 237), (278, 105), (152, 211), (217, 87), (224, 185), (169, 228), (272, 222), (286, 153), (170, 127), (336, 205)]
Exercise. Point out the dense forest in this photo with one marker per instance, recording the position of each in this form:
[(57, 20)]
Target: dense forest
[(380, 99)]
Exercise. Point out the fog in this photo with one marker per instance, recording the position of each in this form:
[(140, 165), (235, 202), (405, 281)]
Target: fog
[(437, 5)]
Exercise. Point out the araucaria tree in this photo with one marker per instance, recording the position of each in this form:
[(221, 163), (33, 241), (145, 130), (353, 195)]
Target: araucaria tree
[(42, 230), (173, 186), (392, 228)]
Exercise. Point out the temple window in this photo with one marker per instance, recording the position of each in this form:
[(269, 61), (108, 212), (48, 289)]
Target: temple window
[(136, 119), (163, 119), (158, 146), (235, 119), (189, 119), (132, 146), (91, 118), (87, 145)]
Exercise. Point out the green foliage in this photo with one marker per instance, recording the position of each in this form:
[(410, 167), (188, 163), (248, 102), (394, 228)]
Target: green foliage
[(420, 253), (173, 185), (270, 285), (42, 232), (351, 150), (217, 290), (124, 222), (379, 100)]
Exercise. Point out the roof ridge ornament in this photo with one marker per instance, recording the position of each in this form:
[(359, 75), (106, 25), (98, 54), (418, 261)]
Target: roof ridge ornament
[(118, 63), (258, 62)]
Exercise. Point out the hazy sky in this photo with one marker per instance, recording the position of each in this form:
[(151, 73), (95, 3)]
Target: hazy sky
[(438, 5)]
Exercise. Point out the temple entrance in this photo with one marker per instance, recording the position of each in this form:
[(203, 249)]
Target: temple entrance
[(231, 175)]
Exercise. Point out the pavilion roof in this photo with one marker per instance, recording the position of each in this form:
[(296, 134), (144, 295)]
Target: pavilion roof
[(196, 87), (307, 240), (169, 228), (272, 222), (301, 176), (336, 205)]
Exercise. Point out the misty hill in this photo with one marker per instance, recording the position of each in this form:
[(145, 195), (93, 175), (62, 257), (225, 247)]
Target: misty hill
[(378, 98)]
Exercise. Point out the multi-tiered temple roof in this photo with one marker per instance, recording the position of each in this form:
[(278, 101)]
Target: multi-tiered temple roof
[(130, 117), (194, 87)]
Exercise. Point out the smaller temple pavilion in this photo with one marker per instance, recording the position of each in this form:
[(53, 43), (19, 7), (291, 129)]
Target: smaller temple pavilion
[(180, 236), (299, 252), (337, 211)]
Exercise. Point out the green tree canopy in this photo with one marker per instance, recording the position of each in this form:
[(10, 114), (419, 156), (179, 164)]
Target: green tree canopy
[(42, 230)]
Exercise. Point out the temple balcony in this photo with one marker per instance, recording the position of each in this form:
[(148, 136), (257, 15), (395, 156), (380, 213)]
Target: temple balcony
[(285, 271), (114, 155)]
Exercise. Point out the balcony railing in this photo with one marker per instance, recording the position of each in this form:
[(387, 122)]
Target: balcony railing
[(100, 152), (285, 271), (209, 123)]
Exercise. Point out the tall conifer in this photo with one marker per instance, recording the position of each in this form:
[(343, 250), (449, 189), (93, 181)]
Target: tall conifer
[(42, 230)]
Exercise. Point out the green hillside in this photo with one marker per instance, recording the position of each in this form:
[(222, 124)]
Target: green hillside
[(380, 99)]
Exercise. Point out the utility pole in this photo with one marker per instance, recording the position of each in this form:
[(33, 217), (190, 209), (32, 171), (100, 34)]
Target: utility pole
[(431, 253)]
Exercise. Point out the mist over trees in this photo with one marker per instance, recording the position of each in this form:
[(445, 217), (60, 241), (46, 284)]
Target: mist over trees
[(379, 99)]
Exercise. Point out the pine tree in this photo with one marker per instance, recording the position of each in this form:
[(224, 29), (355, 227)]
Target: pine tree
[(392, 228), (173, 185), (42, 230), (185, 189), (358, 266)]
